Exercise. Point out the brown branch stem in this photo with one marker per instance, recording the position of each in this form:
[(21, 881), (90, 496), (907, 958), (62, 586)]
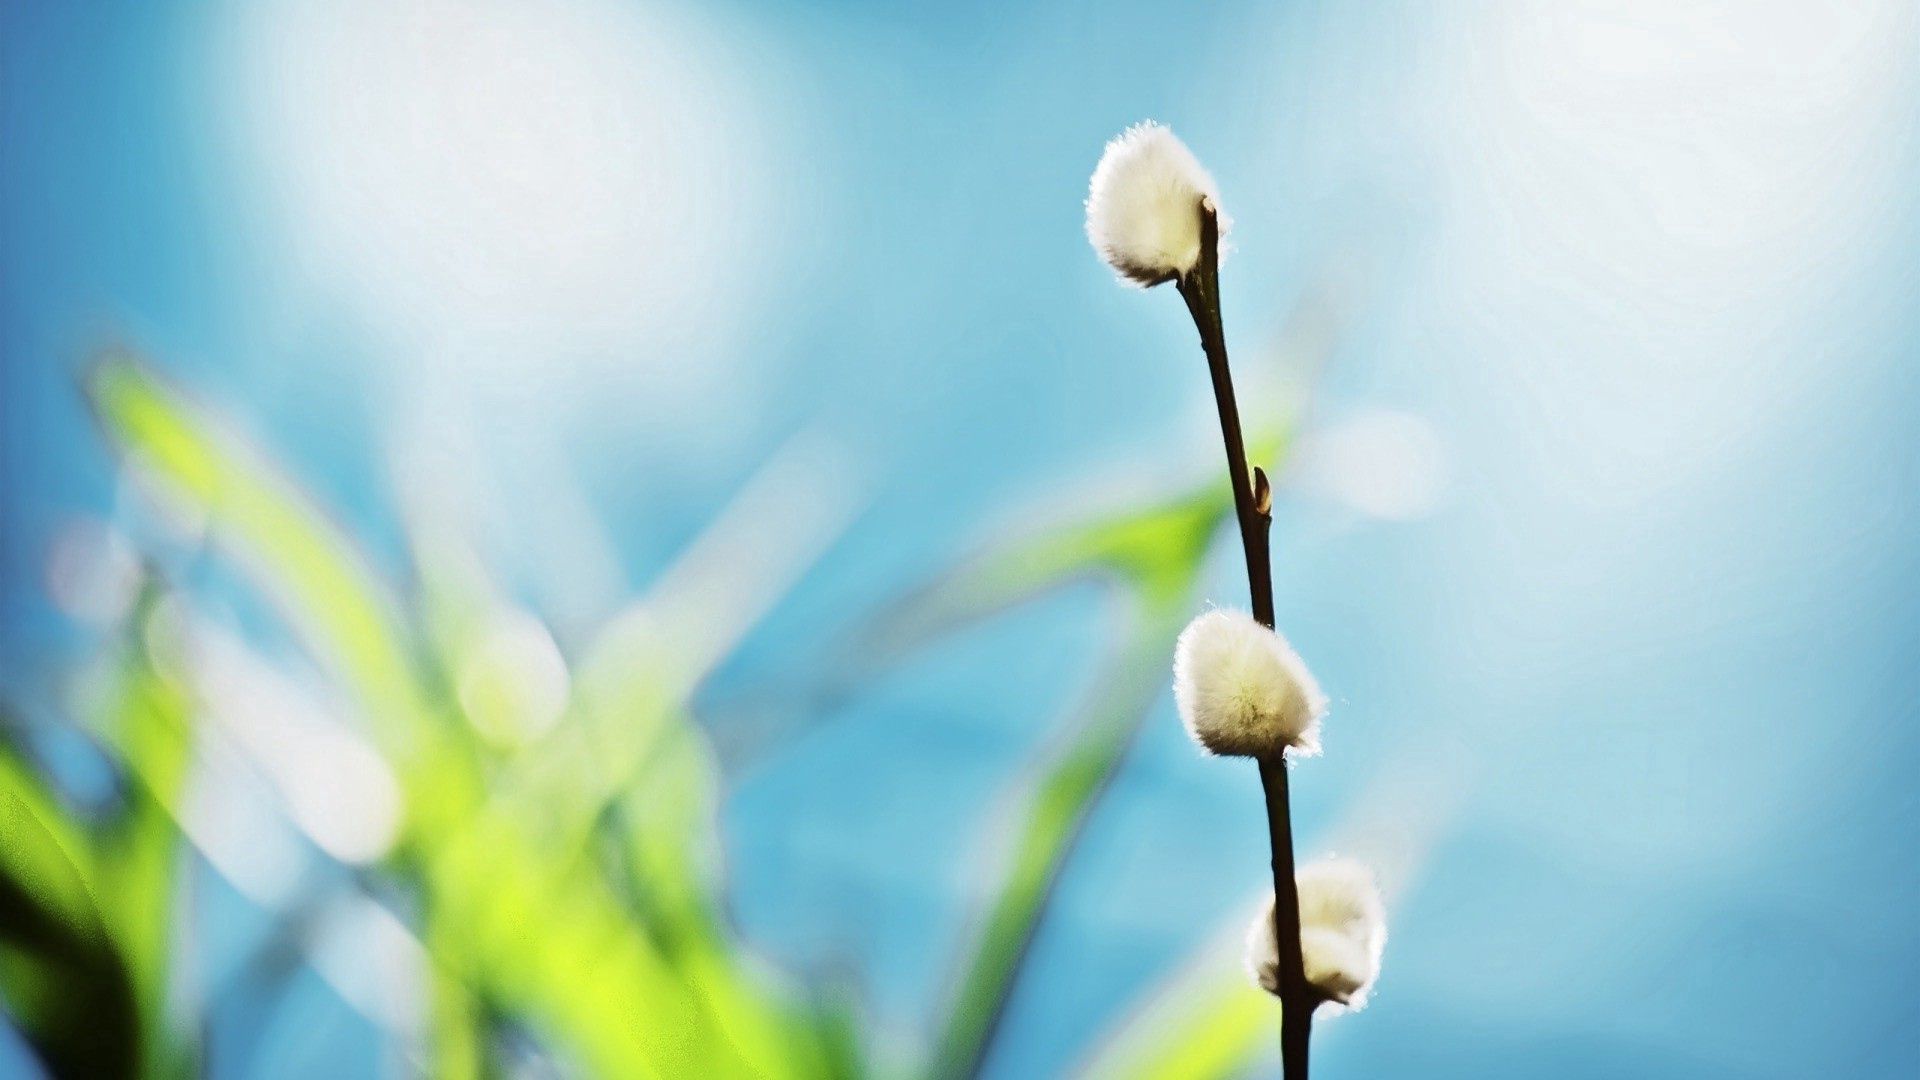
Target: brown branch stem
[(1251, 494)]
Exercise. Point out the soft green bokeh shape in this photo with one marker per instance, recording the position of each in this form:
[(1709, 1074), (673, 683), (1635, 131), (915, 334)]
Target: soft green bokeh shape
[(565, 882), (623, 964)]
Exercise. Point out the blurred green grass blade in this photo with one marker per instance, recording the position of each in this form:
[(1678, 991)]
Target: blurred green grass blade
[(1218, 1037), (318, 583), (538, 930), (100, 900), (624, 706), (670, 829), (456, 1031), (141, 853), (62, 980), (1207, 1021), (563, 786), (1048, 822), (1149, 547), (1153, 547), (626, 762), (669, 823), (537, 936), (1158, 554), (837, 1031), (295, 555), (620, 712), (666, 806), (45, 859), (517, 914)]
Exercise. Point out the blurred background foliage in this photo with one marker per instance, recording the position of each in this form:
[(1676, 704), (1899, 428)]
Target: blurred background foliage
[(530, 841)]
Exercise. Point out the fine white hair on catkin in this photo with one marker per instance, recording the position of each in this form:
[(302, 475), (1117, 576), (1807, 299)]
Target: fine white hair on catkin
[(1339, 893), (1343, 931), (1242, 691), (1339, 965), (1143, 206)]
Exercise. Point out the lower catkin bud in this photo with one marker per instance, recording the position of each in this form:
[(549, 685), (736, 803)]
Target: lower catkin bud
[(1343, 930), (1243, 691)]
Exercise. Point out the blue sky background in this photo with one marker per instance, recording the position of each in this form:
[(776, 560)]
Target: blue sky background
[(1646, 670)]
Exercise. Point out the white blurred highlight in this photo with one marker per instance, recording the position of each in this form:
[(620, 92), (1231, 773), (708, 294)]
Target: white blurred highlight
[(356, 946), (372, 961), (513, 682), (1402, 814), (520, 495), (1382, 463), (332, 784), (93, 572), (231, 816), (507, 187), (775, 527), (237, 822), (1642, 199)]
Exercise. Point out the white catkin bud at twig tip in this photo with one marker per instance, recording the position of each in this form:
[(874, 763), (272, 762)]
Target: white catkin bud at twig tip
[(1343, 930), (1242, 690), (1143, 206)]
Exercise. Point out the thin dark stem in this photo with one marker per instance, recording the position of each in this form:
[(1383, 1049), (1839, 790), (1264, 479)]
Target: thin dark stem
[(1201, 289), (1296, 1028)]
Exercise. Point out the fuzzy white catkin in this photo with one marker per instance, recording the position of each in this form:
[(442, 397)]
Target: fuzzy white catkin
[(1242, 691), (1143, 206), (1343, 930)]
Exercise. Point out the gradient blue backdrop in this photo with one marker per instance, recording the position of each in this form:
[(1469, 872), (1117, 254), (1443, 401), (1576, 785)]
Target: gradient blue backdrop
[(1648, 274)]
